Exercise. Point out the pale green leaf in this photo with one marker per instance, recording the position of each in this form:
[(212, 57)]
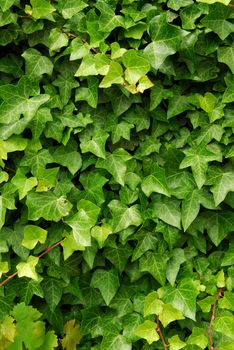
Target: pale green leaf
[(4, 267), (101, 233), (169, 314), (152, 305), (113, 76), (47, 179), (57, 40), (32, 235), (70, 245), (147, 330), (27, 269), (136, 66), (207, 102), (224, 324), (176, 343), (82, 221), (182, 297), (198, 337), (41, 8)]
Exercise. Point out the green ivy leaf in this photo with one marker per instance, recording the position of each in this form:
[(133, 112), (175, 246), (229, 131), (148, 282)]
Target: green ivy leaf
[(224, 323), (113, 76), (47, 206), (46, 179), (123, 217), (41, 8), (190, 208), (198, 337), (57, 39), (93, 186), (107, 282), (182, 297), (6, 4), (96, 145), (173, 265), (27, 318), (89, 94), (82, 221), (147, 330), (176, 343), (53, 292), (167, 210), (155, 264), (68, 157), (155, 182), (224, 56), (101, 233), (27, 269), (169, 314), (221, 179), (115, 164), (4, 268), (36, 64), (17, 101), (217, 21), (152, 305), (23, 184), (32, 235), (217, 225), (136, 66), (69, 8), (198, 158)]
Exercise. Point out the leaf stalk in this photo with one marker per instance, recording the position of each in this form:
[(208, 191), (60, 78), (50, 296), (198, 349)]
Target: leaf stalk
[(47, 250), (210, 333)]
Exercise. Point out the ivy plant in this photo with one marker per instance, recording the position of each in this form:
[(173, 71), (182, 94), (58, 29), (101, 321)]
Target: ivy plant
[(116, 174)]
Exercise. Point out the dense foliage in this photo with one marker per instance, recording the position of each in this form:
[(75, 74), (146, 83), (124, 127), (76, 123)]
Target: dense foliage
[(117, 174)]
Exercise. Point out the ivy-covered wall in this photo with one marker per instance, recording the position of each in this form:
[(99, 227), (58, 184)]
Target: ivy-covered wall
[(117, 174)]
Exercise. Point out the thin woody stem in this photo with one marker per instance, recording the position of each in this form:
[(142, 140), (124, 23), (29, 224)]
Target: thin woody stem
[(212, 319), (231, 5), (71, 35), (8, 279), (47, 250), (161, 334)]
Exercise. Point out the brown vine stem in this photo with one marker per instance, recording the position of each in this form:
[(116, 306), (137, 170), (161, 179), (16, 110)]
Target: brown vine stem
[(9, 169), (231, 5), (47, 250), (24, 17), (213, 317), (161, 334), (71, 35)]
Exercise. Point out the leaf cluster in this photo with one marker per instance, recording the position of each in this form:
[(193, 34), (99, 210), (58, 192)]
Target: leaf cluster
[(116, 150)]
